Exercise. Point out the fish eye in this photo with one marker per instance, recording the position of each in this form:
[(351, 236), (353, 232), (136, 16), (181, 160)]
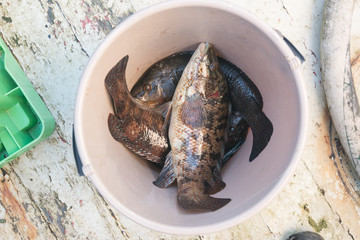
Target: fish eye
[(232, 129), (147, 87), (212, 67)]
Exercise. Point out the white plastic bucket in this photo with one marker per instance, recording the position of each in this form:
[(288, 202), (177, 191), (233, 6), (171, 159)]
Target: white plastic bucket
[(156, 32)]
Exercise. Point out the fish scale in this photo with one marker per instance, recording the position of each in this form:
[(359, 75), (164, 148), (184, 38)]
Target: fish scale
[(200, 108), (157, 85), (139, 128)]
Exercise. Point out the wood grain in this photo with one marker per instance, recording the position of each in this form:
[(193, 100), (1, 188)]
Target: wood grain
[(41, 195)]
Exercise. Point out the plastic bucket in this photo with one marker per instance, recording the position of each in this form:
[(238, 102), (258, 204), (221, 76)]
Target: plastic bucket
[(149, 35)]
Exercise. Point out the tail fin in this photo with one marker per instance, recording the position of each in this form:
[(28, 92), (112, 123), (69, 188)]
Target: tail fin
[(115, 82), (261, 126), (262, 130), (202, 202)]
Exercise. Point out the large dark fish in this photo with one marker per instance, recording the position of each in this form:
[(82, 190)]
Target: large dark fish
[(247, 101), (199, 112), (157, 85), (140, 128)]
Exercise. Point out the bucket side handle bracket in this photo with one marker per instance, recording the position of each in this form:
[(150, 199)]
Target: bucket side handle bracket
[(78, 162), (299, 59)]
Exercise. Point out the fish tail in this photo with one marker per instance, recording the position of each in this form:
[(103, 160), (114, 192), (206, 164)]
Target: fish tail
[(261, 126), (115, 82), (262, 130), (202, 202)]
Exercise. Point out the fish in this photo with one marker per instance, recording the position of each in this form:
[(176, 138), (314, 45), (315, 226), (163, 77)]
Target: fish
[(199, 114), (138, 127), (246, 99), (157, 85)]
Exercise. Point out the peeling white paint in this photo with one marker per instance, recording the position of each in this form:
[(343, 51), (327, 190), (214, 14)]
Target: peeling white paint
[(2, 212), (65, 206)]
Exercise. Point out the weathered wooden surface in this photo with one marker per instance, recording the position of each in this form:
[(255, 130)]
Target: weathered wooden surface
[(41, 195), (355, 47)]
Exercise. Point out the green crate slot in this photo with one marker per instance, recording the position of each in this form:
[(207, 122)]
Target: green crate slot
[(8, 141), (22, 116), (3, 152), (7, 84), (24, 119)]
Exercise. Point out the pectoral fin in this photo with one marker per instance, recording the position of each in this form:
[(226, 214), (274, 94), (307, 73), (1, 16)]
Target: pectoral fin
[(167, 174), (165, 110), (193, 113)]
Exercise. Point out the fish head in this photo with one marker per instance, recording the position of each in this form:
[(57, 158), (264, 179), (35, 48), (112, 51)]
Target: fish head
[(204, 71), (156, 88), (157, 85)]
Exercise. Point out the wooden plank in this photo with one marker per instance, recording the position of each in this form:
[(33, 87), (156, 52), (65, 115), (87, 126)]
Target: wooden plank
[(41, 196), (53, 59), (355, 47)]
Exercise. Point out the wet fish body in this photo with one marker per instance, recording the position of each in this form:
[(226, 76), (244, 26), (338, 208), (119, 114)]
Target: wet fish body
[(158, 83), (247, 101), (199, 111), (157, 86), (139, 128)]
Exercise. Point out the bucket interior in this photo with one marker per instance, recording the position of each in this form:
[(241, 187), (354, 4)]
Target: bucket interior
[(125, 179)]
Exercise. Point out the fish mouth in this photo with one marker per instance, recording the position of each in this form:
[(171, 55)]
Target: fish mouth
[(210, 56), (204, 61), (208, 47), (205, 49)]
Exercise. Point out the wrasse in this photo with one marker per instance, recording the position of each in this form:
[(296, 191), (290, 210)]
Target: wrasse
[(138, 127), (199, 115), (157, 85)]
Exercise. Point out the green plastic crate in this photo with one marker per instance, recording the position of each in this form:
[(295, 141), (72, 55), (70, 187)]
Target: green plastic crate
[(24, 119)]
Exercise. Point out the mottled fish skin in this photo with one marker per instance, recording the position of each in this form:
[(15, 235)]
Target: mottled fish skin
[(157, 85), (200, 108), (139, 128)]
